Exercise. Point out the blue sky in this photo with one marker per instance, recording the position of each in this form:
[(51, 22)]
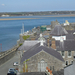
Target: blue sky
[(36, 5)]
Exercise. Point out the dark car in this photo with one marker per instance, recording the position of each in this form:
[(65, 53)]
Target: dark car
[(12, 71)]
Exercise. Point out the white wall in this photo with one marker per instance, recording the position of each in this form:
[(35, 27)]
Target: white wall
[(59, 37)]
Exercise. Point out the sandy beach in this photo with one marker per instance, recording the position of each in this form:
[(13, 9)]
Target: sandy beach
[(17, 18), (69, 15)]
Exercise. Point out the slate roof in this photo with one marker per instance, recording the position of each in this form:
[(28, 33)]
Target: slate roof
[(68, 45), (58, 30), (28, 44), (70, 35), (37, 48)]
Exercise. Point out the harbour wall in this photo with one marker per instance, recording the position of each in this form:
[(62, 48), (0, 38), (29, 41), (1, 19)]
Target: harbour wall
[(5, 56)]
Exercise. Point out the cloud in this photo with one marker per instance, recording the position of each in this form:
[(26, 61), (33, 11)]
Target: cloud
[(3, 4)]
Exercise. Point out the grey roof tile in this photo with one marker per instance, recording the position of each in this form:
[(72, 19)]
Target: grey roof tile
[(37, 48), (58, 30), (68, 45), (28, 44), (70, 35)]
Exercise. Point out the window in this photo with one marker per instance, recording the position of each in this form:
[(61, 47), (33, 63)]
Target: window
[(53, 68), (42, 66), (66, 63), (50, 68), (69, 53), (72, 62), (63, 53)]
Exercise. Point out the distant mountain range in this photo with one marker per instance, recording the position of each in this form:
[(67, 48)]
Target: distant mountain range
[(36, 13)]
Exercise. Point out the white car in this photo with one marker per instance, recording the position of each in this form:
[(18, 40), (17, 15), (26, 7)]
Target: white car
[(15, 64)]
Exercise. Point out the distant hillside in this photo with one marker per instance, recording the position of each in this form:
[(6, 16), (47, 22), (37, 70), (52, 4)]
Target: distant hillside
[(37, 13)]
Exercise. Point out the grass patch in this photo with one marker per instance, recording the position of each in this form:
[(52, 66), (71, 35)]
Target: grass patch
[(26, 36), (20, 44)]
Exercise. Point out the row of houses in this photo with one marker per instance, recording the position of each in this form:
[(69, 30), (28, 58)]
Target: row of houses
[(54, 49)]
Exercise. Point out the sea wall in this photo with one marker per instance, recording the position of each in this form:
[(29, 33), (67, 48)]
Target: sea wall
[(5, 56)]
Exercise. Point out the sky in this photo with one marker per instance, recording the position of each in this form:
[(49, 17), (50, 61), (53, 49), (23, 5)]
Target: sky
[(36, 5)]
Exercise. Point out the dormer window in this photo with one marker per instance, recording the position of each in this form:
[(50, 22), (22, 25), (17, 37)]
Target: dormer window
[(69, 54)]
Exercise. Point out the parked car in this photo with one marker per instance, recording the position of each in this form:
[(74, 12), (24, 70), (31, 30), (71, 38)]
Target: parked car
[(12, 71), (15, 63)]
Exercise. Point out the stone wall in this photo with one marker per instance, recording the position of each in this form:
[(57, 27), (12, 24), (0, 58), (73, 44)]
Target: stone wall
[(49, 59), (69, 59), (7, 55)]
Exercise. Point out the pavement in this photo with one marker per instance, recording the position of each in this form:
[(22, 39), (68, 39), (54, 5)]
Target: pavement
[(9, 64)]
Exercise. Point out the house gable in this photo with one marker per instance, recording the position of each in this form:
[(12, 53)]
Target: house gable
[(49, 59)]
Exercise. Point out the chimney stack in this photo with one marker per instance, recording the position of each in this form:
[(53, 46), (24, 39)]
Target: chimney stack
[(53, 44), (48, 43)]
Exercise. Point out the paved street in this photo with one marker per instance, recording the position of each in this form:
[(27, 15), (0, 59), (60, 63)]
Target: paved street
[(9, 64)]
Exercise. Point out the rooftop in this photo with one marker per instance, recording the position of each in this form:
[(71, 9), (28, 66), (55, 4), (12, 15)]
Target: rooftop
[(58, 30), (37, 48)]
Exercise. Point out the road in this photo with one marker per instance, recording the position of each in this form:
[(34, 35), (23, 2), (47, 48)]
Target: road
[(9, 64)]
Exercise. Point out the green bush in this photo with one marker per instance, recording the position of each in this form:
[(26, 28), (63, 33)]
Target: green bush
[(26, 36), (20, 44)]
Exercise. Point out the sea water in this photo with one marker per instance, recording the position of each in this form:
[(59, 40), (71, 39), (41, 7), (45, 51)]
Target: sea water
[(10, 29)]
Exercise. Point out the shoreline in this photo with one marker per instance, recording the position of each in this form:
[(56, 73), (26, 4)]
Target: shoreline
[(17, 18), (63, 15)]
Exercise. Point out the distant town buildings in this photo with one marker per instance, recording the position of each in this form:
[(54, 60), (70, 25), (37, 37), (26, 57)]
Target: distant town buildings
[(52, 48), (4, 15)]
